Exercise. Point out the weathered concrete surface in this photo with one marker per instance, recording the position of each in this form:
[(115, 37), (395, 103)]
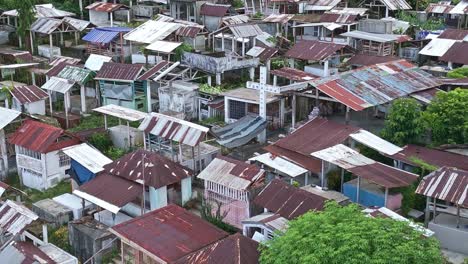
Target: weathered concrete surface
[(51, 211)]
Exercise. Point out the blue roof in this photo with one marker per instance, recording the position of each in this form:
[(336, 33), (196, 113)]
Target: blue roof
[(104, 35)]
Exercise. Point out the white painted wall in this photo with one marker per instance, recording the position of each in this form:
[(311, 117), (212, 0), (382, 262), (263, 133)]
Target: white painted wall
[(99, 18), (38, 107)]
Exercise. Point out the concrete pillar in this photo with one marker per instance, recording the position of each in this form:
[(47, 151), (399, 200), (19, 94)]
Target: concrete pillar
[(386, 197), (209, 80), (148, 95), (293, 111), (358, 188), (222, 41), (226, 110), (111, 19), (252, 74), (83, 98), (282, 112), (326, 71), (291, 63), (218, 78)]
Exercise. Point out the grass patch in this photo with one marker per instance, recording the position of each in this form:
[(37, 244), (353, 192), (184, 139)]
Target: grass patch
[(97, 121)]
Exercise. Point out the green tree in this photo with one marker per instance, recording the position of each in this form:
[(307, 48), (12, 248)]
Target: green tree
[(403, 124), (447, 117), (345, 235), (458, 73), (25, 10)]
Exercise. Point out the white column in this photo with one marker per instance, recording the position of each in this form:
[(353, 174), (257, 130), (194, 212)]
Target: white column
[(282, 112), (252, 73), (226, 110), (358, 188), (386, 197), (111, 19), (293, 111), (208, 80), (243, 47), (326, 71), (218, 78), (148, 95), (386, 11), (262, 103), (222, 41), (83, 98)]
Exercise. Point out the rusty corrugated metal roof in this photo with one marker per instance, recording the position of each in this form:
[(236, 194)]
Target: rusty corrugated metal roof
[(439, 8), (397, 4), (446, 184), (216, 10), (234, 20), (245, 30), (455, 34), (320, 5), (188, 31), (293, 74), (77, 24), (15, 217), (233, 249), (105, 7), (24, 253), (313, 50), (384, 175), (62, 59), (159, 171), (169, 233), (40, 137), (339, 18), (287, 200), (434, 157), (45, 25), (369, 60), (278, 18), (28, 94), (457, 53), (426, 96), (119, 71), (173, 128), (232, 173)]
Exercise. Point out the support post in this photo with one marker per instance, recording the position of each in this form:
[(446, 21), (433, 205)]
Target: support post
[(148, 95), (105, 122), (386, 197), (342, 180), (427, 212), (435, 210), (252, 73), (347, 117), (358, 188), (83, 99), (293, 111)]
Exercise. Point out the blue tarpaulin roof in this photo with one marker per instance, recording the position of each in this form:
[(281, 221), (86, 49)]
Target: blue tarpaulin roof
[(104, 35)]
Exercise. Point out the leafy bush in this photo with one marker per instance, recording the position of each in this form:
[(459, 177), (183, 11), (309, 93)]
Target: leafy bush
[(458, 73), (115, 153), (179, 51), (101, 141), (237, 3), (59, 237)]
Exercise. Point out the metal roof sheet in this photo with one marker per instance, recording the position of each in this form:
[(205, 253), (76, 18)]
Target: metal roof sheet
[(216, 10), (188, 31), (287, 200), (98, 35), (293, 74), (109, 192), (245, 30), (377, 143), (151, 31), (234, 20), (47, 11), (163, 46), (240, 132), (3, 187), (7, 115), (437, 47), (119, 71), (280, 164), (76, 74), (460, 8), (434, 157), (156, 70), (28, 94), (105, 7), (169, 233), (159, 171), (59, 85), (173, 128), (369, 60), (278, 18), (77, 24), (62, 59), (313, 50), (349, 10), (375, 37), (339, 18), (375, 85), (342, 156), (24, 253), (56, 69), (231, 173), (446, 184), (15, 217), (121, 112), (95, 62), (45, 25), (235, 248), (426, 96), (457, 53), (91, 158), (40, 137), (397, 4), (317, 5), (438, 8)]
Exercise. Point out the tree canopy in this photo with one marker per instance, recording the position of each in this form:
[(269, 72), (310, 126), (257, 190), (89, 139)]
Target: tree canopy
[(447, 117), (403, 124), (345, 235), (458, 73)]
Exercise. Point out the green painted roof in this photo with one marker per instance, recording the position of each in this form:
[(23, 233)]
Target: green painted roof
[(76, 74)]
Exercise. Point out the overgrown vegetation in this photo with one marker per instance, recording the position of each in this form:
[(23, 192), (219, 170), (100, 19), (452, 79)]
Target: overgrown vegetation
[(430, 24), (212, 121), (214, 90), (345, 235), (458, 73), (25, 12), (217, 217), (179, 51), (237, 3), (59, 237)]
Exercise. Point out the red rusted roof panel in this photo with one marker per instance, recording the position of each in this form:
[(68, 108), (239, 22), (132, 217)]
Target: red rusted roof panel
[(457, 53), (456, 34), (169, 233), (313, 50), (105, 7), (215, 10), (384, 175), (153, 71), (188, 31), (338, 18), (293, 74), (119, 71), (242, 169), (306, 161), (369, 60), (28, 94), (287, 200)]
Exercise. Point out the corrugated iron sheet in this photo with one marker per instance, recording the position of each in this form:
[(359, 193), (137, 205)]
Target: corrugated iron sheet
[(46, 11), (121, 112), (280, 164), (288, 201), (245, 31), (174, 232), (159, 171), (119, 71), (95, 62), (216, 10), (45, 25), (232, 173), (3, 187), (278, 18), (446, 184), (349, 10), (434, 157), (188, 31), (40, 137), (173, 128), (105, 7), (28, 94), (342, 156), (152, 31), (240, 132), (149, 74), (77, 24), (377, 143), (369, 60), (338, 18), (317, 5), (437, 47), (15, 217), (24, 253), (97, 35), (59, 85), (7, 115), (426, 96), (235, 248), (460, 8), (457, 53), (109, 192), (76, 74), (376, 85), (376, 37), (234, 20), (163, 46), (89, 157), (439, 8), (397, 4), (62, 59), (313, 50), (293, 74)]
